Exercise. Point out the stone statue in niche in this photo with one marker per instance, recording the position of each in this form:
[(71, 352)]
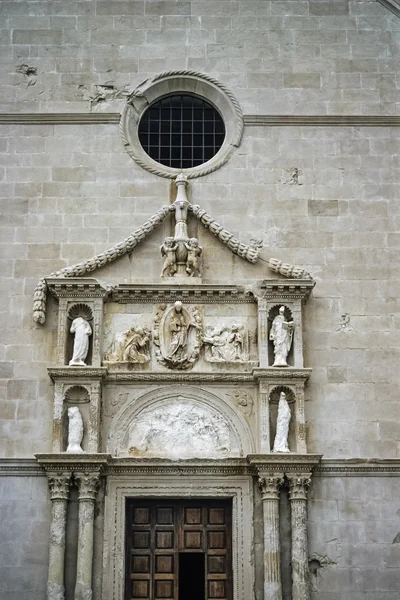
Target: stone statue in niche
[(194, 251), (82, 330), (282, 425), (226, 344), (178, 335), (75, 430), (133, 347), (168, 249), (281, 335)]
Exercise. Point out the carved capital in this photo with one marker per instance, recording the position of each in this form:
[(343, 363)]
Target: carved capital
[(298, 485), (269, 486), (59, 485), (88, 485)]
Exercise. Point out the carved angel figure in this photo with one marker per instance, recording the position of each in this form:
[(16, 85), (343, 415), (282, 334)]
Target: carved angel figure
[(282, 425), (194, 252), (168, 250), (75, 430), (215, 345), (281, 335), (236, 340), (82, 330)]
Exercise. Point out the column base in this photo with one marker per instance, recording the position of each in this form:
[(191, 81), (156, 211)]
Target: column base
[(55, 591)]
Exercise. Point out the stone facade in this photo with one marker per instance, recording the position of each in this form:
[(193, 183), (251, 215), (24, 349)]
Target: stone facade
[(313, 180)]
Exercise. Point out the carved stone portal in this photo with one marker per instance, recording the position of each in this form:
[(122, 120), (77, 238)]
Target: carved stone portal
[(177, 335)]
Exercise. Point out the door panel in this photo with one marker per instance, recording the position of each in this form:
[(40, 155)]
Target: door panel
[(159, 536)]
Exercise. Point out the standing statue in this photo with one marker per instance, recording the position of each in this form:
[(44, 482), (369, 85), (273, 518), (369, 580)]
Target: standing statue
[(194, 253), (82, 331), (168, 249), (236, 341), (281, 334), (179, 328), (75, 430), (282, 425)]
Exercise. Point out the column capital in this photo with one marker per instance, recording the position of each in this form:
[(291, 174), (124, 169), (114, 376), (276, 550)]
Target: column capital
[(269, 485), (298, 485), (88, 484), (59, 485)]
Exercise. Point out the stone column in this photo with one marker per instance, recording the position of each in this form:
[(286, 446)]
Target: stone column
[(88, 485), (59, 490), (269, 485), (298, 485)]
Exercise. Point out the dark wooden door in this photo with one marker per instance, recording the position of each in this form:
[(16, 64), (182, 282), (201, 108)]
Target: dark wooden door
[(160, 537)]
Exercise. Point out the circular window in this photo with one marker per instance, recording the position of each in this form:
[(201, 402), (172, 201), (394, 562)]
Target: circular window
[(181, 120), (181, 131)]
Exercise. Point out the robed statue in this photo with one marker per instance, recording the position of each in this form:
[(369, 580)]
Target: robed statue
[(281, 335)]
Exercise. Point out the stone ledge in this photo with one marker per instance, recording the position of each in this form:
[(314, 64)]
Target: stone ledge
[(202, 293), (66, 373), (277, 374)]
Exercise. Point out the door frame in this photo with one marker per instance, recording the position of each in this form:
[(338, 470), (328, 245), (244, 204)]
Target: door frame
[(238, 488)]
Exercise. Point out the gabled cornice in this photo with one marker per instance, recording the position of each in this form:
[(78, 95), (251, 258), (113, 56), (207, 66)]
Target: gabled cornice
[(392, 5)]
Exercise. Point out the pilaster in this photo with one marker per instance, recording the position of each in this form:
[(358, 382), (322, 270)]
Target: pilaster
[(298, 486), (269, 485), (59, 491)]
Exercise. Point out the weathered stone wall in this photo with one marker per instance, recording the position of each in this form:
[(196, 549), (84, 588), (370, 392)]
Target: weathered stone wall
[(294, 57), (323, 197)]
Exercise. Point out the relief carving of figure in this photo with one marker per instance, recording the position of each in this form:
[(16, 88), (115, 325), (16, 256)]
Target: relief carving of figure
[(282, 425), (133, 346), (82, 331), (179, 328), (281, 335), (194, 253), (172, 334), (226, 344), (75, 430), (168, 249)]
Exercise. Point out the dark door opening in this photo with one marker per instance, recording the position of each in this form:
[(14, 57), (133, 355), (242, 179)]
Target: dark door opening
[(191, 576)]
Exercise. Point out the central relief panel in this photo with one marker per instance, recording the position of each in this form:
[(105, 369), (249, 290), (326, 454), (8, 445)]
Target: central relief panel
[(179, 422)]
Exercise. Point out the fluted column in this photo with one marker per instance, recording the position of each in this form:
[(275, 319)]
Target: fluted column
[(59, 491), (88, 485), (269, 485), (298, 486)]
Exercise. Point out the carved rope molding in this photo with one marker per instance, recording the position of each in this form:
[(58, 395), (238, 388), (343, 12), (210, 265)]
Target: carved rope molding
[(124, 247)]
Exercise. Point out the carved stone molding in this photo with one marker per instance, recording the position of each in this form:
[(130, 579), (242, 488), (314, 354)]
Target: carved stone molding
[(73, 463), (280, 291), (289, 464), (105, 118), (69, 374), (273, 375), (181, 377), (198, 293)]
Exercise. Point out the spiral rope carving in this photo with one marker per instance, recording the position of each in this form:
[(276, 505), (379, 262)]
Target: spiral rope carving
[(128, 108), (250, 253), (87, 266)]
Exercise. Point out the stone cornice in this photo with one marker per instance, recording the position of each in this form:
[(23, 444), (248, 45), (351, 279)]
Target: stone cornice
[(72, 373), (249, 120), (85, 462), (278, 374), (289, 289), (284, 463), (200, 293), (328, 467), (72, 287)]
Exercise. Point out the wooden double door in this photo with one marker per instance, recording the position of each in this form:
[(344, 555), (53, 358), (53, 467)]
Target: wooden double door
[(178, 549)]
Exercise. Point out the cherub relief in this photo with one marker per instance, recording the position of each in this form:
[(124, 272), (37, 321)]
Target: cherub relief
[(194, 252), (168, 249)]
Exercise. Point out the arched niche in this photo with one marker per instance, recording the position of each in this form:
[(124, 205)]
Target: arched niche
[(179, 422)]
